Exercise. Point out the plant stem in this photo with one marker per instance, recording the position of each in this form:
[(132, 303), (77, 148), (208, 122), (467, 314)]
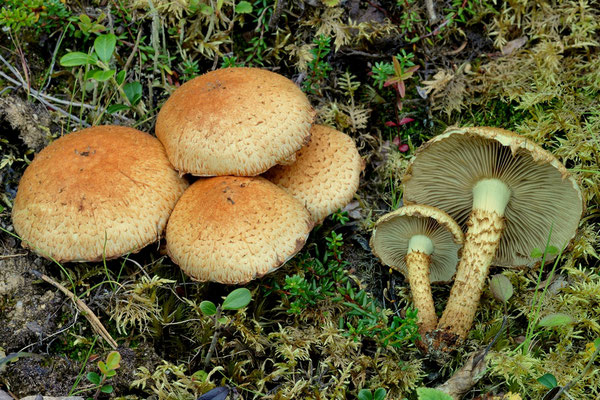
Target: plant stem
[(213, 343)]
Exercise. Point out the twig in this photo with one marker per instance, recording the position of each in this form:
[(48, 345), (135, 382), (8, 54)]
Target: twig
[(89, 315), (5, 256)]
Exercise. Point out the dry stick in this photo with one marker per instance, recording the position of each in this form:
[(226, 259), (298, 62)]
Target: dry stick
[(85, 310)]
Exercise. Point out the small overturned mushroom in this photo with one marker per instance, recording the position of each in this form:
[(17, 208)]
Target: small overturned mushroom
[(234, 121), (422, 242), (511, 195), (234, 229), (99, 192), (325, 175)]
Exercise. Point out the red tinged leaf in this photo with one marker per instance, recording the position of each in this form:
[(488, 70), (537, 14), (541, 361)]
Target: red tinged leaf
[(391, 124), (403, 148)]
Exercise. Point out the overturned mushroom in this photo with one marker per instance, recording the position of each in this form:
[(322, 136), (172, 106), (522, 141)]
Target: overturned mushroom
[(510, 194), (423, 243)]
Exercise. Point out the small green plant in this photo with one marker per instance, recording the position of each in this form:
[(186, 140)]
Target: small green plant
[(432, 394), (236, 300), (318, 68), (38, 15), (327, 278), (366, 394), (98, 59), (107, 370)]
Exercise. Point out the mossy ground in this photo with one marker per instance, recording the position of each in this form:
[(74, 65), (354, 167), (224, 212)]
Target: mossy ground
[(333, 320)]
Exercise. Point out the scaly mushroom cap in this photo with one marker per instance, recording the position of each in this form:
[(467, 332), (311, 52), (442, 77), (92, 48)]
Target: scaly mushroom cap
[(543, 196), (325, 175), (234, 121), (393, 231), (234, 229), (102, 191)]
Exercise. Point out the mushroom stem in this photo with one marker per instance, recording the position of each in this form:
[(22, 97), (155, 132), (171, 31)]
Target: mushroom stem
[(417, 264), (484, 231)]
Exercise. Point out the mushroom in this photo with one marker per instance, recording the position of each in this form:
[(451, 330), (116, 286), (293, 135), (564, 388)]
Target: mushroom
[(234, 229), (421, 242), (512, 196), (234, 121), (98, 193), (326, 172)]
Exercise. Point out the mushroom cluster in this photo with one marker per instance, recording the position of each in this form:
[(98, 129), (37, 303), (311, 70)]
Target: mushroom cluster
[(509, 195), (105, 191)]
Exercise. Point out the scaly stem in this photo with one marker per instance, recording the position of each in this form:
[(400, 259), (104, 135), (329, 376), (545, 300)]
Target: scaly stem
[(417, 264), (484, 230)]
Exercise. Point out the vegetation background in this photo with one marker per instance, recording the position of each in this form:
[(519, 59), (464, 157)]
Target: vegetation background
[(333, 321)]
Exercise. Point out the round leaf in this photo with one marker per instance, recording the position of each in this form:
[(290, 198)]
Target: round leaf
[(93, 377), (208, 308), (379, 394), (104, 45), (243, 7), (548, 380), (237, 299), (501, 288), (113, 359), (106, 389), (133, 91)]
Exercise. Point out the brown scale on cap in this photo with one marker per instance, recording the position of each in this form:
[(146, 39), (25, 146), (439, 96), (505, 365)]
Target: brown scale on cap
[(325, 175), (510, 195), (234, 121), (234, 229), (103, 186)]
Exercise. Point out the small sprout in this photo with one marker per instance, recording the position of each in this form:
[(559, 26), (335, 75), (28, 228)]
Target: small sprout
[(366, 394), (501, 288)]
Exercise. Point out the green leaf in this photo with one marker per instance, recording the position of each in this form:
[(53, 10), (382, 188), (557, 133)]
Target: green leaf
[(432, 394), (102, 367), (237, 299), (206, 9), (548, 380), (2, 208), (103, 76), (501, 288), (104, 45), (106, 389), (113, 108), (243, 7), (536, 253), (113, 359), (223, 320), (94, 378), (76, 59), (556, 319), (379, 394), (597, 343), (133, 91), (365, 394), (120, 78), (208, 308), (110, 373), (553, 250)]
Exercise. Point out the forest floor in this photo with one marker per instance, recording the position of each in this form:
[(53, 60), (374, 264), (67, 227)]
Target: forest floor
[(333, 323)]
